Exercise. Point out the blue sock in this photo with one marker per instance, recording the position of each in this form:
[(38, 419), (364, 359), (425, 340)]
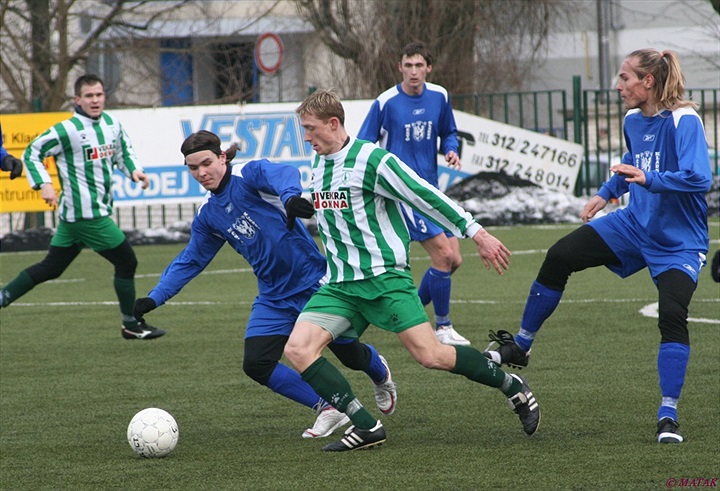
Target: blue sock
[(672, 362), (376, 371), (288, 383), (541, 303), (438, 284)]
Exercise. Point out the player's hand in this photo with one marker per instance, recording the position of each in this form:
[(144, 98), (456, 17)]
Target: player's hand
[(594, 205), (492, 251), (139, 176), (47, 193), (12, 164), (453, 160), (297, 206), (630, 172), (142, 307)]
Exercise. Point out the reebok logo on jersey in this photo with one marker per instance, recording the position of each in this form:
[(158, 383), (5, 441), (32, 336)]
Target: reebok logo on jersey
[(648, 138), (331, 200), (101, 152)]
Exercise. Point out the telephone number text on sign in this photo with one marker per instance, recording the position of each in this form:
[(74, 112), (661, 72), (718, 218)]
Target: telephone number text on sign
[(537, 175), (548, 162), (538, 151)]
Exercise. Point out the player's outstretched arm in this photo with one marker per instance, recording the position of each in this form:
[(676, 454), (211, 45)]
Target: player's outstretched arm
[(492, 251)]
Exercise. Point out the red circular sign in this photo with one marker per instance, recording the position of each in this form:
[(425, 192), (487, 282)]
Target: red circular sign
[(269, 51)]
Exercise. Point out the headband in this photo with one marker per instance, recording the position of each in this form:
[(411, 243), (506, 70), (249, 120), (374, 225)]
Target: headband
[(213, 147)]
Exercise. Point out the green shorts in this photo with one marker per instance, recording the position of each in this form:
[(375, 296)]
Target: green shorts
[(389, 301), (99, 234)]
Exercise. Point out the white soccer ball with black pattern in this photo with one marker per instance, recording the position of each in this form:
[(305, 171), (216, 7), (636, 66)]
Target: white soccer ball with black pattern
[(153, 432)]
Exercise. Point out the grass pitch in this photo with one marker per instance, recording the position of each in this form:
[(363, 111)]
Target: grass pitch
[(69, 385)]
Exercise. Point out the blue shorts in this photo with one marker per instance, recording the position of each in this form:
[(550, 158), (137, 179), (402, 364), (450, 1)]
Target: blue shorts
[(276, 317), (421, 228), (637, 251)]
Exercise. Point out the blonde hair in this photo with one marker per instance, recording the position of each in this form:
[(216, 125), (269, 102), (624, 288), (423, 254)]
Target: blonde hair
[(323, 104), (664, 66)]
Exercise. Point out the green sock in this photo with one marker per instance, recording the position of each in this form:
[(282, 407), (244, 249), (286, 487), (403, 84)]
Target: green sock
[(330, 384), (475, 366), (125, 291), (18, 287)]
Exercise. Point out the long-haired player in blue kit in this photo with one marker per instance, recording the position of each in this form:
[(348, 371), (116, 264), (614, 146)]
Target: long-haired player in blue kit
[(664, 227), (254, 208), (408, 120)]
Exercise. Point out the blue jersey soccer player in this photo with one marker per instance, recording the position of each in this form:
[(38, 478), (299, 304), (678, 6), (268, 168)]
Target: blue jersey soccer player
[(254, 208), (407, 120), (663, 228)]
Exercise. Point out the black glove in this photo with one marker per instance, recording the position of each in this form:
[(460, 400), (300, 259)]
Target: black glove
[(12, 164), (142, 307), (297, 206)]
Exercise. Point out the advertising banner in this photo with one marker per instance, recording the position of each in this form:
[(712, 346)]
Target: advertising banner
[(273, 131)]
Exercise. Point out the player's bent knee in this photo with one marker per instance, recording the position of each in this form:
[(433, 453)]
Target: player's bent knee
[(259, 370), (123, 258), (293, 353)]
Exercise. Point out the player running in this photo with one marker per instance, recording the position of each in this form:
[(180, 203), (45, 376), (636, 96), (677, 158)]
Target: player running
[(254, 208), (358, 190)]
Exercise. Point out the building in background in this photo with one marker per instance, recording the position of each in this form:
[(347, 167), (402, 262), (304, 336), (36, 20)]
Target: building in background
[(204, 52), (608, 30)]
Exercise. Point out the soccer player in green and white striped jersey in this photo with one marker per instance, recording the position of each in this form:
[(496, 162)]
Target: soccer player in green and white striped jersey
[(86, 149), (358, 190)]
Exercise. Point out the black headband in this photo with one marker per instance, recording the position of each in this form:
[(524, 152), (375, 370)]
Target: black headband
[(214, 148)]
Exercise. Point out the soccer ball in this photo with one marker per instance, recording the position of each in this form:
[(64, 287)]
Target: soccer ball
[(152, 433)]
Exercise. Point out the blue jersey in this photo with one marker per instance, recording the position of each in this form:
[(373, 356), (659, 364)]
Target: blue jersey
[(248, 213), (409, 126), (670, 209)]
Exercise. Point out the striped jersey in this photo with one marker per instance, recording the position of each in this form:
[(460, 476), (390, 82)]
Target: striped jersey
[(358, 193), (86, 150)]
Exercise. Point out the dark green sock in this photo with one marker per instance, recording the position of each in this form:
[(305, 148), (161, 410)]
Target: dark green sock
[(125, 291), (18, 287), (475, 366), (330, 384)]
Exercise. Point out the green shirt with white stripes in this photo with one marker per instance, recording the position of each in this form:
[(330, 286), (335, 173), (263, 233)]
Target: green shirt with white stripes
[(86, 150), (357, 194)]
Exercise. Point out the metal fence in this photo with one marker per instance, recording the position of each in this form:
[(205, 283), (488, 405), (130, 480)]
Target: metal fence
[(542, 111), (595, 121)]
